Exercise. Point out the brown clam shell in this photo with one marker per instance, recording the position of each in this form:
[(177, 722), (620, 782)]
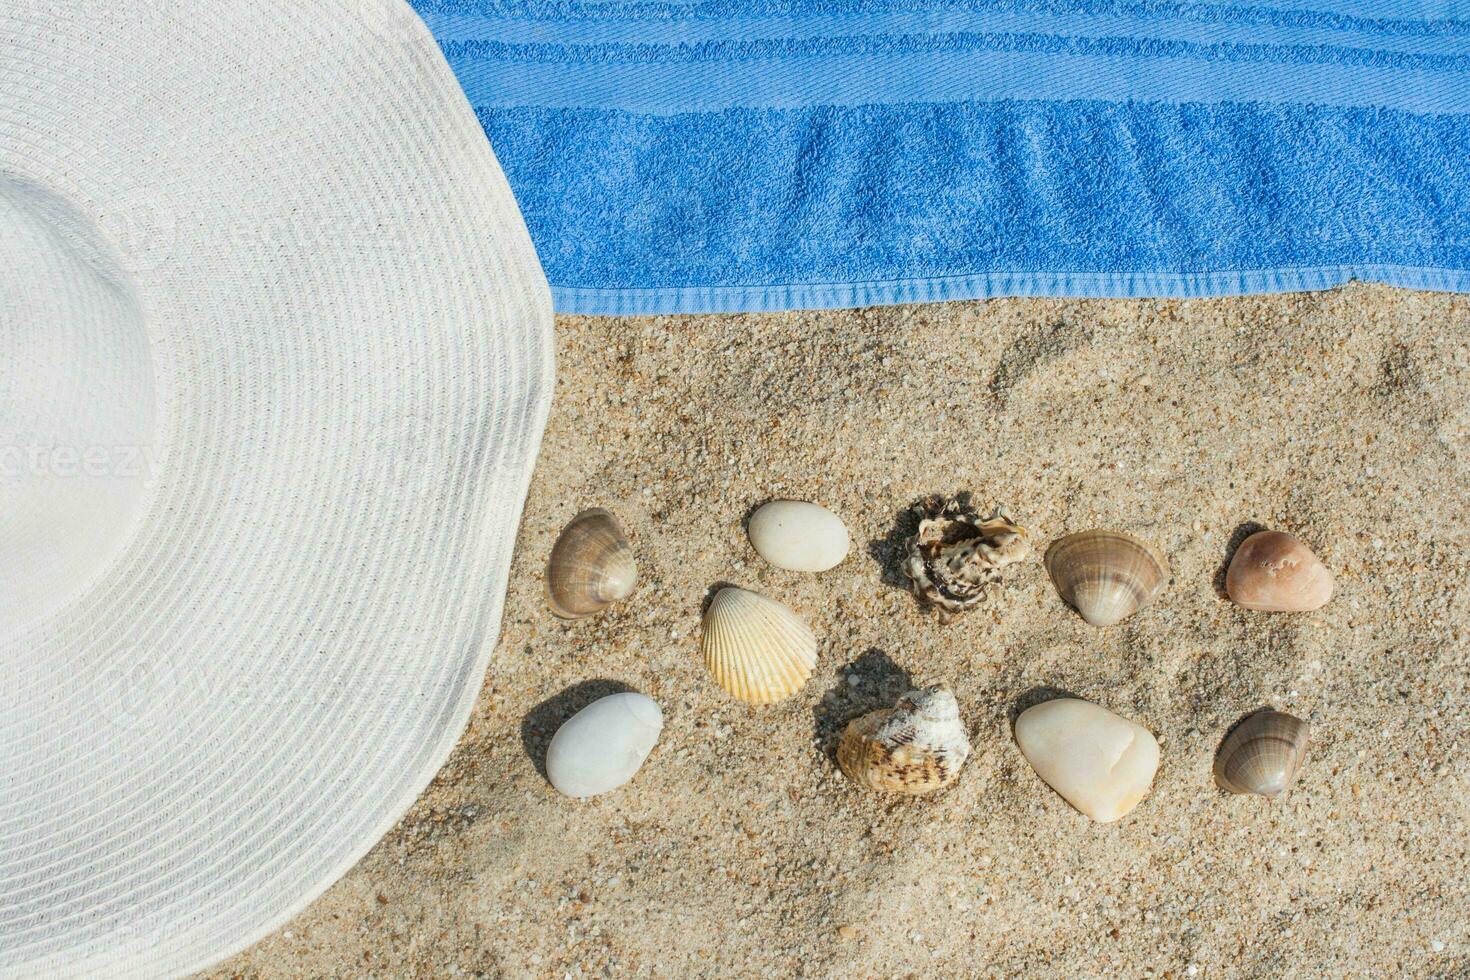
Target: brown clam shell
[(1262, 754), (1106, 575), (591, 566)]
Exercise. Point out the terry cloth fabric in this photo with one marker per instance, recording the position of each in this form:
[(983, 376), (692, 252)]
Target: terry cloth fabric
[(722, 155)]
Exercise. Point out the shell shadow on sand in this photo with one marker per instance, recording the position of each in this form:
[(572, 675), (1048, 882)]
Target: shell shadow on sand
[(879, 682), (543, 720)]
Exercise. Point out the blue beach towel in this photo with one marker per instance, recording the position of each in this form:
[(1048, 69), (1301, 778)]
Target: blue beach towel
[(723, 155)]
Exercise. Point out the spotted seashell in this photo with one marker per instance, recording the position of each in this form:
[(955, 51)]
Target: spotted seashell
[(956, 558), (915, 747)]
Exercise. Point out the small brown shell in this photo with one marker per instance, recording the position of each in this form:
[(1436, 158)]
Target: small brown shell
[(915, 747), (1106, 575), (1273, 571), (591, 566), (1262, 754)]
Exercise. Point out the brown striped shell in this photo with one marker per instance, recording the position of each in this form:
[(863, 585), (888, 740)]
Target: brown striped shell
[(1262, 754), (1106, 575), (915, 747), (591, 566)]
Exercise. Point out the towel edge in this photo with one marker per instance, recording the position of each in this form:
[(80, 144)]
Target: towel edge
[(992, 285)]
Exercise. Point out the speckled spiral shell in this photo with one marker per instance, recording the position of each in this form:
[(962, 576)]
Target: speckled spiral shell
[(1262, 754), (591, 566), (757, 649), (918, 746), (956, 557), (1106, 575)]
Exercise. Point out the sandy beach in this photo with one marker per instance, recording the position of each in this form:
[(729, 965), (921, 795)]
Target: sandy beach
[(741, 851)]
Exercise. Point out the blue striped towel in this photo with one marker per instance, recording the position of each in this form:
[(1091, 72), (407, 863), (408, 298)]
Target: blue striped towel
[(722, 155)]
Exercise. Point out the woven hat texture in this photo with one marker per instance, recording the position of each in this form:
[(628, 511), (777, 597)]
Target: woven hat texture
[(275, 359)]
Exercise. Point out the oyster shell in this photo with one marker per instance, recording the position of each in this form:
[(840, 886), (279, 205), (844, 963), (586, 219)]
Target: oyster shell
[(1262, 754), (957, 556), (1106, 575), (757, 649), (915, 747), (591, 566)]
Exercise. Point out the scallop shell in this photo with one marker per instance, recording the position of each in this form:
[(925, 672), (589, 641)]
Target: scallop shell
[(757, 649), (956, 557), (915, 747), (1262, 754), (591, 566), (1106, 575)]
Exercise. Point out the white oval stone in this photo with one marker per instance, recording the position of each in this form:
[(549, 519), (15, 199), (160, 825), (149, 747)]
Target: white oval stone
[(1100, 763), (798, 536), (603, 746)]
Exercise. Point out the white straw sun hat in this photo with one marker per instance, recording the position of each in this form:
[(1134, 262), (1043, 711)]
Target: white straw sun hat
[(275, 358)]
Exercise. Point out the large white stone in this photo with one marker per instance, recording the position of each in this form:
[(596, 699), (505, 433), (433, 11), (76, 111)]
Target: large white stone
[(1100, 763), (798, 536), (603, 746)]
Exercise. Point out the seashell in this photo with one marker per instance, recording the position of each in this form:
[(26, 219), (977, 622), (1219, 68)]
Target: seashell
[(603, 746), (591, 566), (1097, 761), (915, 747), (1262, 754), (798, 536), (757, 649), (1275, 572), (956, 557), (1106, 575)]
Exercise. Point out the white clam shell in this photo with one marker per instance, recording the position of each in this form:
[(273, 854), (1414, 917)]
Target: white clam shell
[(603, 746), (798, 536), (1097, 761), (757, 649)]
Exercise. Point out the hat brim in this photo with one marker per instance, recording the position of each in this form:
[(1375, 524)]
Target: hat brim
[(351, 365)]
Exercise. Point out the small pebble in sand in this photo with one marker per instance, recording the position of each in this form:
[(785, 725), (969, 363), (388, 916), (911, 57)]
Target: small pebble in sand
[(603, 746), (798, 536)]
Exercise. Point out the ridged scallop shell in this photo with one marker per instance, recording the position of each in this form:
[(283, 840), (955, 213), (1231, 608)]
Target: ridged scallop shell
[(956, 557), (591, 566), (757, 649), (1262, 754), (917, 746), (1106, 575)]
